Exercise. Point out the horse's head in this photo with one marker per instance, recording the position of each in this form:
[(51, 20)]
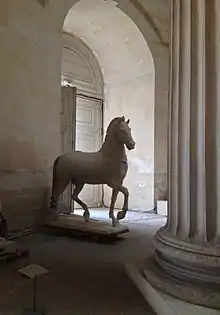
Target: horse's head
[(124, 133)]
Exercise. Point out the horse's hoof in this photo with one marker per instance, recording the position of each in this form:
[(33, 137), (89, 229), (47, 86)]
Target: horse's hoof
[(120, 215), (86, 216), (115, 223), (53, 205)]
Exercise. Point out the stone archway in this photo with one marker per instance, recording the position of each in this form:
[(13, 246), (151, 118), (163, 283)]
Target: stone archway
[(129, 84), (80, 66), (152, 18)]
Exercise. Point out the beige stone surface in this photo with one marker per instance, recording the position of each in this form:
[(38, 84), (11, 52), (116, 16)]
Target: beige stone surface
[(30, 102)]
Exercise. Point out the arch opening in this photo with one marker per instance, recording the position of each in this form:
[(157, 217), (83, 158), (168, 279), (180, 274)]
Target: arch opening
[(123, 77)]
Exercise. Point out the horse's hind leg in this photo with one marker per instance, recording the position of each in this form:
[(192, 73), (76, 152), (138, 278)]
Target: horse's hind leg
[(57, 191), (77, 189)]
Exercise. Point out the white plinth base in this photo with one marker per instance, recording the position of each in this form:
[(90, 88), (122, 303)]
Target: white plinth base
[(161, 303)]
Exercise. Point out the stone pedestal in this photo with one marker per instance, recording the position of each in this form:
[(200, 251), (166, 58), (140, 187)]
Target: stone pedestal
[(162, 303), (186, 262)]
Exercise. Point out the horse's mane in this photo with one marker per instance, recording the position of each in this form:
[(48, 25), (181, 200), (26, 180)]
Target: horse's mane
[(114, 121), (112, 124)]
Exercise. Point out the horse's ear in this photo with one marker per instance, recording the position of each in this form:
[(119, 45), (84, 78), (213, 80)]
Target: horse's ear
[(128, 121), (123, 118)]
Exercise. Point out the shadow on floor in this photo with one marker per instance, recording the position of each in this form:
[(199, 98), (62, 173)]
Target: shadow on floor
[(84, 278)]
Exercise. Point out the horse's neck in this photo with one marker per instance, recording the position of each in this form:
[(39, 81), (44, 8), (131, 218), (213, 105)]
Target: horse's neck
[(114, 149)]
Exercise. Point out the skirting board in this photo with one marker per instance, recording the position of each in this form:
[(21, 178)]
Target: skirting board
[(161, 303)]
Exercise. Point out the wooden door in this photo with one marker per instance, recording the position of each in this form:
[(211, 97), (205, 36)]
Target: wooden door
[(89, 139)]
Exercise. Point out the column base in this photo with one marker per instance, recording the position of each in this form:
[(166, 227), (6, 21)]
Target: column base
[(161, 303), (186, 270)]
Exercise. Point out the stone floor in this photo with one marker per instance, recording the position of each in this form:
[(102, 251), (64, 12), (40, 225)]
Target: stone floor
[(85, 278)]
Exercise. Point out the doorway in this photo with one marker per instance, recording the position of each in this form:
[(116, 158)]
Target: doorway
[(81, 130), (82, 75), (89, 136)]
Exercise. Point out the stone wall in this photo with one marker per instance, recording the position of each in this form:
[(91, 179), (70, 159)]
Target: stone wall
[(30, 108)]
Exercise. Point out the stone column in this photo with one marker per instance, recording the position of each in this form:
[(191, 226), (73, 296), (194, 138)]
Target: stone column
[(186, 262)]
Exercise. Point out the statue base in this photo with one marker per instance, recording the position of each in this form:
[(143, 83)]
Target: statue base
[(72, 224), (30, 312)]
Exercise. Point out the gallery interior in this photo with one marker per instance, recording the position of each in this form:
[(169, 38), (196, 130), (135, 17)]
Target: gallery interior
[(110, 157)]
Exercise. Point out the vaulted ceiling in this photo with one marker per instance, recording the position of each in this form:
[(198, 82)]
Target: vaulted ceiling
[(114, 38)]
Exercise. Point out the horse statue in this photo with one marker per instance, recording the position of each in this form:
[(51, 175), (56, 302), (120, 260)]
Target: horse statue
[(107, 166)]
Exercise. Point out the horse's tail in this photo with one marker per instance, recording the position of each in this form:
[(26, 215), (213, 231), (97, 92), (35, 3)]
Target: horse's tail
[(54, 182)]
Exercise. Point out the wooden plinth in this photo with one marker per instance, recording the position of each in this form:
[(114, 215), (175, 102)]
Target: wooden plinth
[(76, 225)]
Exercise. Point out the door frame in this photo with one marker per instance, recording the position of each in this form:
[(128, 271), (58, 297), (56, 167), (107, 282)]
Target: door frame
[(68, 135)]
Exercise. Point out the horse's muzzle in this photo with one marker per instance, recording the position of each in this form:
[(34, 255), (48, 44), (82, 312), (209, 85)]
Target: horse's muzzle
[(130, 145)]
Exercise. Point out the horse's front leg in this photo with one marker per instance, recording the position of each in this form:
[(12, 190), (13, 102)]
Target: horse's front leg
[(121, 214), (112, 206)]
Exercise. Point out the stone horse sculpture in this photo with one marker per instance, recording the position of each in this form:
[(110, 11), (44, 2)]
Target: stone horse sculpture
[(107, 166)]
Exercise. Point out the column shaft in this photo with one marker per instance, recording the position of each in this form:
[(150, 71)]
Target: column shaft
[(173, 126), (217, 19), (184, 119), (186, 261), (199, 231)]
